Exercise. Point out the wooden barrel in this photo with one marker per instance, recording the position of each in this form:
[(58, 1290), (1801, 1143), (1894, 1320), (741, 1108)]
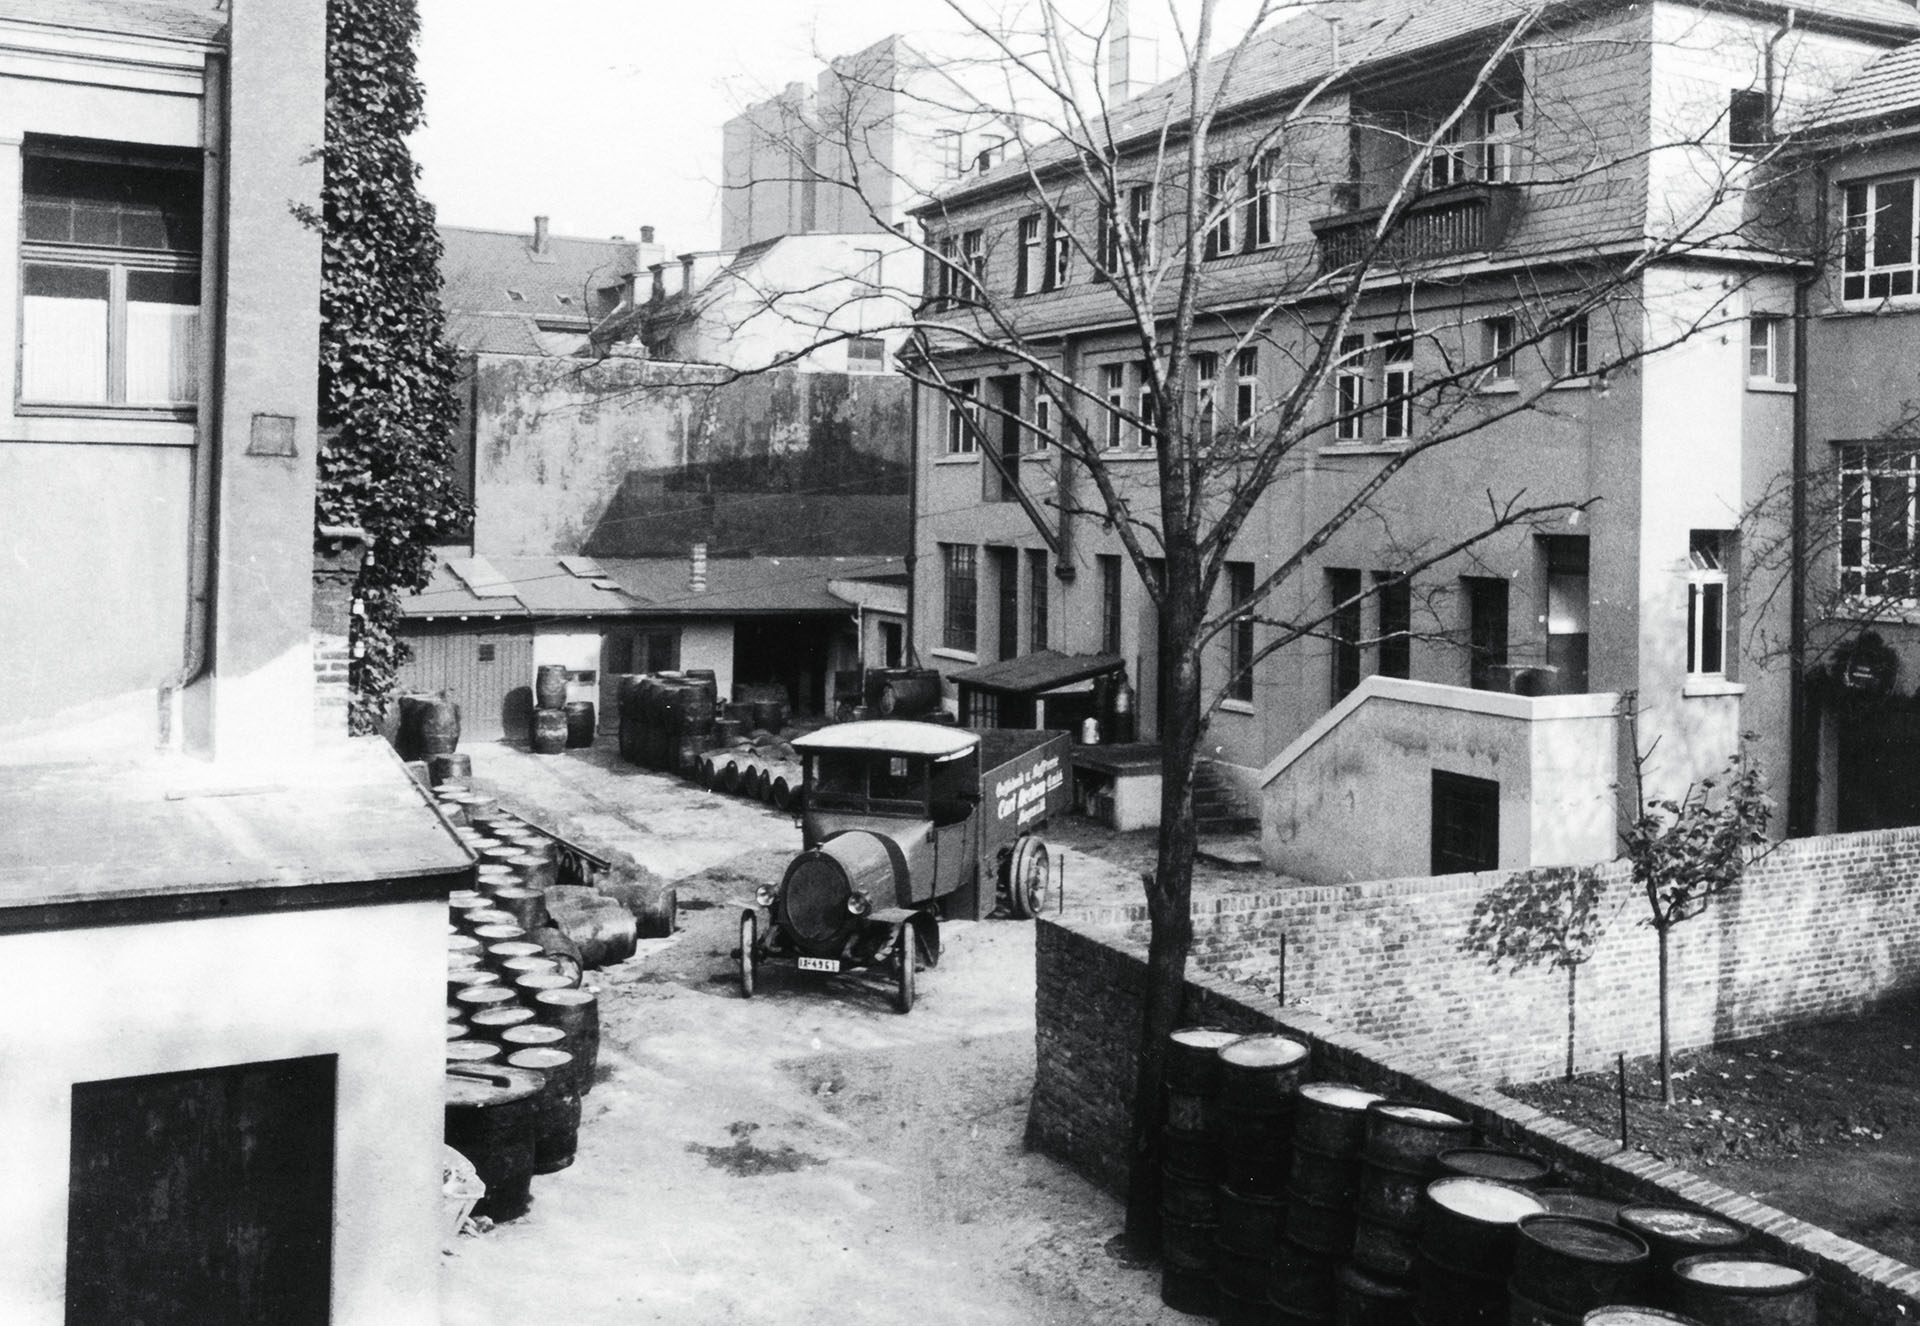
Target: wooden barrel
[(549, 732), (535, 983), (1407, 1137), (456, 1030), (465, 961), (490, 1113), (1242, 1279), (437, 730), (527, 906), (726, 777), (1303, 1279), (1331, 1117), (463, 943), (605, 931), (626, 685), (1471, 1225), (1189, 1291), (1189, 1199), (514, 968), (496, 930), (704, 772), (1255, 1151), (1186, 1245), (488, 1023), (1326, 1228), (576, 1012), (786, 781), (506, 950), (475, 997), (1370, 1300), (550, 686), (558, 949), (1568, 1201), (556, 1110), (1196, 1155), (1385, 1249), (1390, 1195), (654, 905), (468, 1051), (449, 769), (770, 715), (1500, 1166), (700, 694), (1732, 1289), (469, 978), (1193, 1059), (499, 851), (1334, 1180), (686, 755), (1249, 1225), (1571, 1264), (907, 692), (1673, 1233), (1443, 1293), (1189, 1113), (726, 731), (580, 723), (1261, 1074)]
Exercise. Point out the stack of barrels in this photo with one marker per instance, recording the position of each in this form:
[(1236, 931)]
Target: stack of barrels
[(1399, 1157), (1259, 1079), (549, 731), (429, 725), (666, 718), (1191, 1168), (1329, 1132)]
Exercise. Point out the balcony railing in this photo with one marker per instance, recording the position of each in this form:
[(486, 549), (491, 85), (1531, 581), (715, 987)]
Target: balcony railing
[(1463, 219)]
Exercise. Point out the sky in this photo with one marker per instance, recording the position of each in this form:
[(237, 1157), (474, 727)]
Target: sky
[(605, 115)]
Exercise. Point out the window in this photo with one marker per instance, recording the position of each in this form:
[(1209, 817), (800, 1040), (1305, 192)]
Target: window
[(1108, 247), (1036, 599), (1059, 251), (1006, 592), (1501, 125), (1350, 390), (1706, 603), (973, 258), (1465, 832), (486, 653), (1206, 373), (1032, 256), (1769, 351), (1263, 201), (1747, 126), (1878, 487), (1882, 255), (1149, 411), (962, 625), (1498, 348), (1451, 162), (1568, 611), (1109, 603), (943, 278), (1042, 431), (1114, 380), (1140, 221), (1343, 627), (110, 279), (962, 426), (1240, 634), (1395, 596), (1574, 340), (872, 269), (1222, 207), (866, 354), (1396, 387), (1246, 386), (1486, 633)]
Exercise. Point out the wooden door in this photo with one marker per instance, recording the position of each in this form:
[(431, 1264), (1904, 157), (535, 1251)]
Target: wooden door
[(203, 1198)]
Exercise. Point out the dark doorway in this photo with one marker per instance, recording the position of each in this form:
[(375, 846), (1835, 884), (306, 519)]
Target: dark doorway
[(789, 651), (1003, 479), (892, 644), (1466, 824), (1006, 590), (204, 1198), (1486, 633), (1879, 783), (1567, 612)]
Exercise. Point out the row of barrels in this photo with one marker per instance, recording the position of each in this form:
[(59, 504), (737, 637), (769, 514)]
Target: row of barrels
[(666, 717), (752, 774), (1289, 1200)]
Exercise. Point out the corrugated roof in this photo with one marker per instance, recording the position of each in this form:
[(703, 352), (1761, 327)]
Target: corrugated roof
[(201, 21), (1887, 89), (499, 294), (545, 586)]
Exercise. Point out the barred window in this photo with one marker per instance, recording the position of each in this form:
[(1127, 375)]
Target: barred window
[(1878, 488), (962, 625)]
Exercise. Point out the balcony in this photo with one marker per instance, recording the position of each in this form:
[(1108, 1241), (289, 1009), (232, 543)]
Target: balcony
[(1450, 222)]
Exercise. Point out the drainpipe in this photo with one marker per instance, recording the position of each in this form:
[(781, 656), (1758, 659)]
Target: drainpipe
[(1803, 756), (196, 654), (1063, 562), (913, 515)]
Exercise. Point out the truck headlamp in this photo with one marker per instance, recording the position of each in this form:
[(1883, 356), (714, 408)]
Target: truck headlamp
[(765, 894), (859, 903)]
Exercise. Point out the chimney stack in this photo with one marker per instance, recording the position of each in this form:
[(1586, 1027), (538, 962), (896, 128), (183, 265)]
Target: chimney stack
[(540, 234), (697, 570), (646, 234), (1132, 62)]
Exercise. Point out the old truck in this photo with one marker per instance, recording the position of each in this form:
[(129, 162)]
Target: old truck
[(903, 823)]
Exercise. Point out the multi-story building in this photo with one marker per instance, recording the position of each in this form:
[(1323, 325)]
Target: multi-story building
[(225, 1089), (1586, 234)]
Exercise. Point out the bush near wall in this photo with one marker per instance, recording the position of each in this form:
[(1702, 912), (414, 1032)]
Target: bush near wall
[(1815, 930), (1090, 977)]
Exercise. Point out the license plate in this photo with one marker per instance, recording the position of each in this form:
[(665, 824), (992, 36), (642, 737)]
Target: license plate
[(819, 964)]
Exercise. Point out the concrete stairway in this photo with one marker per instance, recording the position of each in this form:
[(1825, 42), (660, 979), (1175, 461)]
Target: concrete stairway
[(1220, 807)]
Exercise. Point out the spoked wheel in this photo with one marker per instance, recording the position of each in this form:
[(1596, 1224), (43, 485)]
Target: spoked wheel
[(904, 956), (1027, 876), (749, 933)]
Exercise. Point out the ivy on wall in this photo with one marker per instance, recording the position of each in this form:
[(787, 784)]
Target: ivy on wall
[(387, 373)]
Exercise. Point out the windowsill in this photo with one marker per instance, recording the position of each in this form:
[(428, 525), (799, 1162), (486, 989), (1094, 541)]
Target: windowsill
[(100, 428), (1700, 687), (1236, 707), (1499, 387), (963, 458), (1366, 447), (1127, 453), (1869, 308), (1771, 388), (1570, 384), (957, 655)]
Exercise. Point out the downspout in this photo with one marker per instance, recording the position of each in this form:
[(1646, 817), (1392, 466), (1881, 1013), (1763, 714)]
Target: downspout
[(1803, 771), (197, 651), (1766, 71), (913, 522), (1063, 563)]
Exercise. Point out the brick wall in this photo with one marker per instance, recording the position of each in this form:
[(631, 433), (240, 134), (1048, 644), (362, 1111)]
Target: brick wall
[(336, 564), (1090, 977), (1815, 930)]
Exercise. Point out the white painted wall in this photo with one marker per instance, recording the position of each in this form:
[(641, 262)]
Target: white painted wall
[(709, 645), (363, 983)]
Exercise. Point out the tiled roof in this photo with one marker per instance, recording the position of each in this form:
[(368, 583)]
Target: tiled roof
[(637, 586), (497, 273), (1887, 89), (179, 20), (1031, 673)]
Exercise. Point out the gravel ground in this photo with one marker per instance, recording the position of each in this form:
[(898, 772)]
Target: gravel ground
[(809, 1154)]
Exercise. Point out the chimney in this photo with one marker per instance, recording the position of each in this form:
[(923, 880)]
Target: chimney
[(697, 570), (1132, 62), (646, 234), (540, 234)]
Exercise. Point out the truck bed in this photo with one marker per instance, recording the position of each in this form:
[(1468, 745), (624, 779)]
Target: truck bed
[(1025, 780)]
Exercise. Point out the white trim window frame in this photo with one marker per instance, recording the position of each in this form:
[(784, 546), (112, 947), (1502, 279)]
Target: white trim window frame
[(1246, 386), (1147, 435), (973, 257), (1350, 390), (1140, 223), (1707, 624), (1206, 375), (1032, 255), (1880, 259), (1879, 491), (1500, 335), (1769, 351), (962, 439), (1040, 437), (1059, 251), (1396, 385), (1224, 208), (1263, 201), (1113, 382), (1575, 347)]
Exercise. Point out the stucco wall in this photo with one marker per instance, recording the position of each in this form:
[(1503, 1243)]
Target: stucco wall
[(362, 983)]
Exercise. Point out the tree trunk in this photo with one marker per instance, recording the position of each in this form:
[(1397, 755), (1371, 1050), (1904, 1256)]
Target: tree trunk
[(1666, 1037), (1573, 1013), (1169, 900)]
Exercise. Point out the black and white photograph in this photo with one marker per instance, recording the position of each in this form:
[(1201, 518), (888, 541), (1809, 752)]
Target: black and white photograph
[(1025, 662)]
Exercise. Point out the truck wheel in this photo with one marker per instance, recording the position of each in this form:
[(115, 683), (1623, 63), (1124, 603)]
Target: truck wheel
[(903, 952), (1027, 876), (749, 933)]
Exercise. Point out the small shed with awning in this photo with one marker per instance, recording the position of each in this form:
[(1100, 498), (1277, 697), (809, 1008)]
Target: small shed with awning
[(1041, 689)]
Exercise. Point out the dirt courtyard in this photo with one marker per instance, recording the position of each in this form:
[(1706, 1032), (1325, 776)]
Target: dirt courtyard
[(807, 1155)]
